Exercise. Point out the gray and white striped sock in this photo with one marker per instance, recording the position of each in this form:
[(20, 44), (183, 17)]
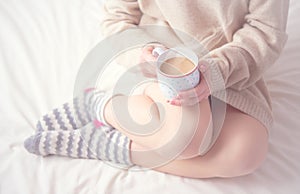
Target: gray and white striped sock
[(77, 113), (103, 143), (69, 116), (96, 100)]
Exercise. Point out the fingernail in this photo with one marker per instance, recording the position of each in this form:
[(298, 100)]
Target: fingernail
[(171, 101), (154, 54), (202, 67)]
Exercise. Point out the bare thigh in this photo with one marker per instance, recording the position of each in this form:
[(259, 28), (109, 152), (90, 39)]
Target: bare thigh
[(201, 114), (239, 150), (149, 121)]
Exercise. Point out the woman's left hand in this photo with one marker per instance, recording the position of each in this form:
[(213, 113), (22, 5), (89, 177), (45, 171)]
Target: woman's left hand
[(195, 95)]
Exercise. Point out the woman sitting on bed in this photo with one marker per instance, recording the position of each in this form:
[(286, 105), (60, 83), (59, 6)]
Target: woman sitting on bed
[(244, 38)]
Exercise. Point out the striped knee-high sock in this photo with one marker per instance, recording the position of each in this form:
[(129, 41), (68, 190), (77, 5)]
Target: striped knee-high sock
[(69, 116), (103, 143), (75, 114), (95, 101)]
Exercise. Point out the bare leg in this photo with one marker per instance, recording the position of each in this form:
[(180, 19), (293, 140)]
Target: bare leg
[(234, 153), (170, 122), (239, 150)]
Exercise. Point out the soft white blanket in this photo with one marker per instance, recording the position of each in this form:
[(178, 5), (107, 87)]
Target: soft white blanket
[(42, 44)]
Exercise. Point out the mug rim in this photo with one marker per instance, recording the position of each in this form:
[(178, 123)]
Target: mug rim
[(161, 62), (178, 76)]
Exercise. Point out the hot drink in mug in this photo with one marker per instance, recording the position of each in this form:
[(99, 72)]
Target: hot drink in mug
[(177, 70)]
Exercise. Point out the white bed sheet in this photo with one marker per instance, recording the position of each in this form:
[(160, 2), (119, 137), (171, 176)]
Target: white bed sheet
[(42, 44)]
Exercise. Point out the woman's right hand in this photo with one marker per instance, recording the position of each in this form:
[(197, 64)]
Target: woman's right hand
[(147, 61)]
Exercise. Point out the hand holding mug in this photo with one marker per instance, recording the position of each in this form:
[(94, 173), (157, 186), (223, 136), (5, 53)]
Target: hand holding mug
[(147, 61), (186, 88), (196, 94), (177, 71)]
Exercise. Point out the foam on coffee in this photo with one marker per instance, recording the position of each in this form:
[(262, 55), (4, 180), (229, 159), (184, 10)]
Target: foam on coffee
[(177, 66)]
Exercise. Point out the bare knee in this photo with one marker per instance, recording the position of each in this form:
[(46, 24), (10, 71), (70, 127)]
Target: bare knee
[(138, 109), (245, 162), (244, 157), (143, 110)]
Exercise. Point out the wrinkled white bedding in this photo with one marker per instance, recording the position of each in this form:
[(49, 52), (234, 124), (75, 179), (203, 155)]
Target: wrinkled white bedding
[(42, 44)]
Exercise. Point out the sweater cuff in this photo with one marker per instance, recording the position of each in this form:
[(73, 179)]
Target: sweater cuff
[(214, 77)]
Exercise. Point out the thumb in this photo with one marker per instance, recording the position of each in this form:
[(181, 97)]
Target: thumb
[(203, 65), (147, 53)]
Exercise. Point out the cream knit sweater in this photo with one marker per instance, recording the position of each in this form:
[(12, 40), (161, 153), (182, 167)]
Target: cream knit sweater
[(243, 37)]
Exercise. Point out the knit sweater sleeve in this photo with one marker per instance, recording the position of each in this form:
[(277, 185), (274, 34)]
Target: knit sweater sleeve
[(254, 47), (124, 15)]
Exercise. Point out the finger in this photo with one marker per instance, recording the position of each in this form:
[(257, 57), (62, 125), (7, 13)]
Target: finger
[(148, 70), (147, 53), (198, 90), (149, 75), (175, 102), (194, 100), (203, 66), (148, 48), (189, 102), (203, 96), (184, 102), (150, 58)]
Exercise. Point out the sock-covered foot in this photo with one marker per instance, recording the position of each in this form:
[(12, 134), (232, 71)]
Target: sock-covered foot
[(31, 144), (103, 143)]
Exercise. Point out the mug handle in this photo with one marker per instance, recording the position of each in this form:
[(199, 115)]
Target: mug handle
[(157, 51)]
